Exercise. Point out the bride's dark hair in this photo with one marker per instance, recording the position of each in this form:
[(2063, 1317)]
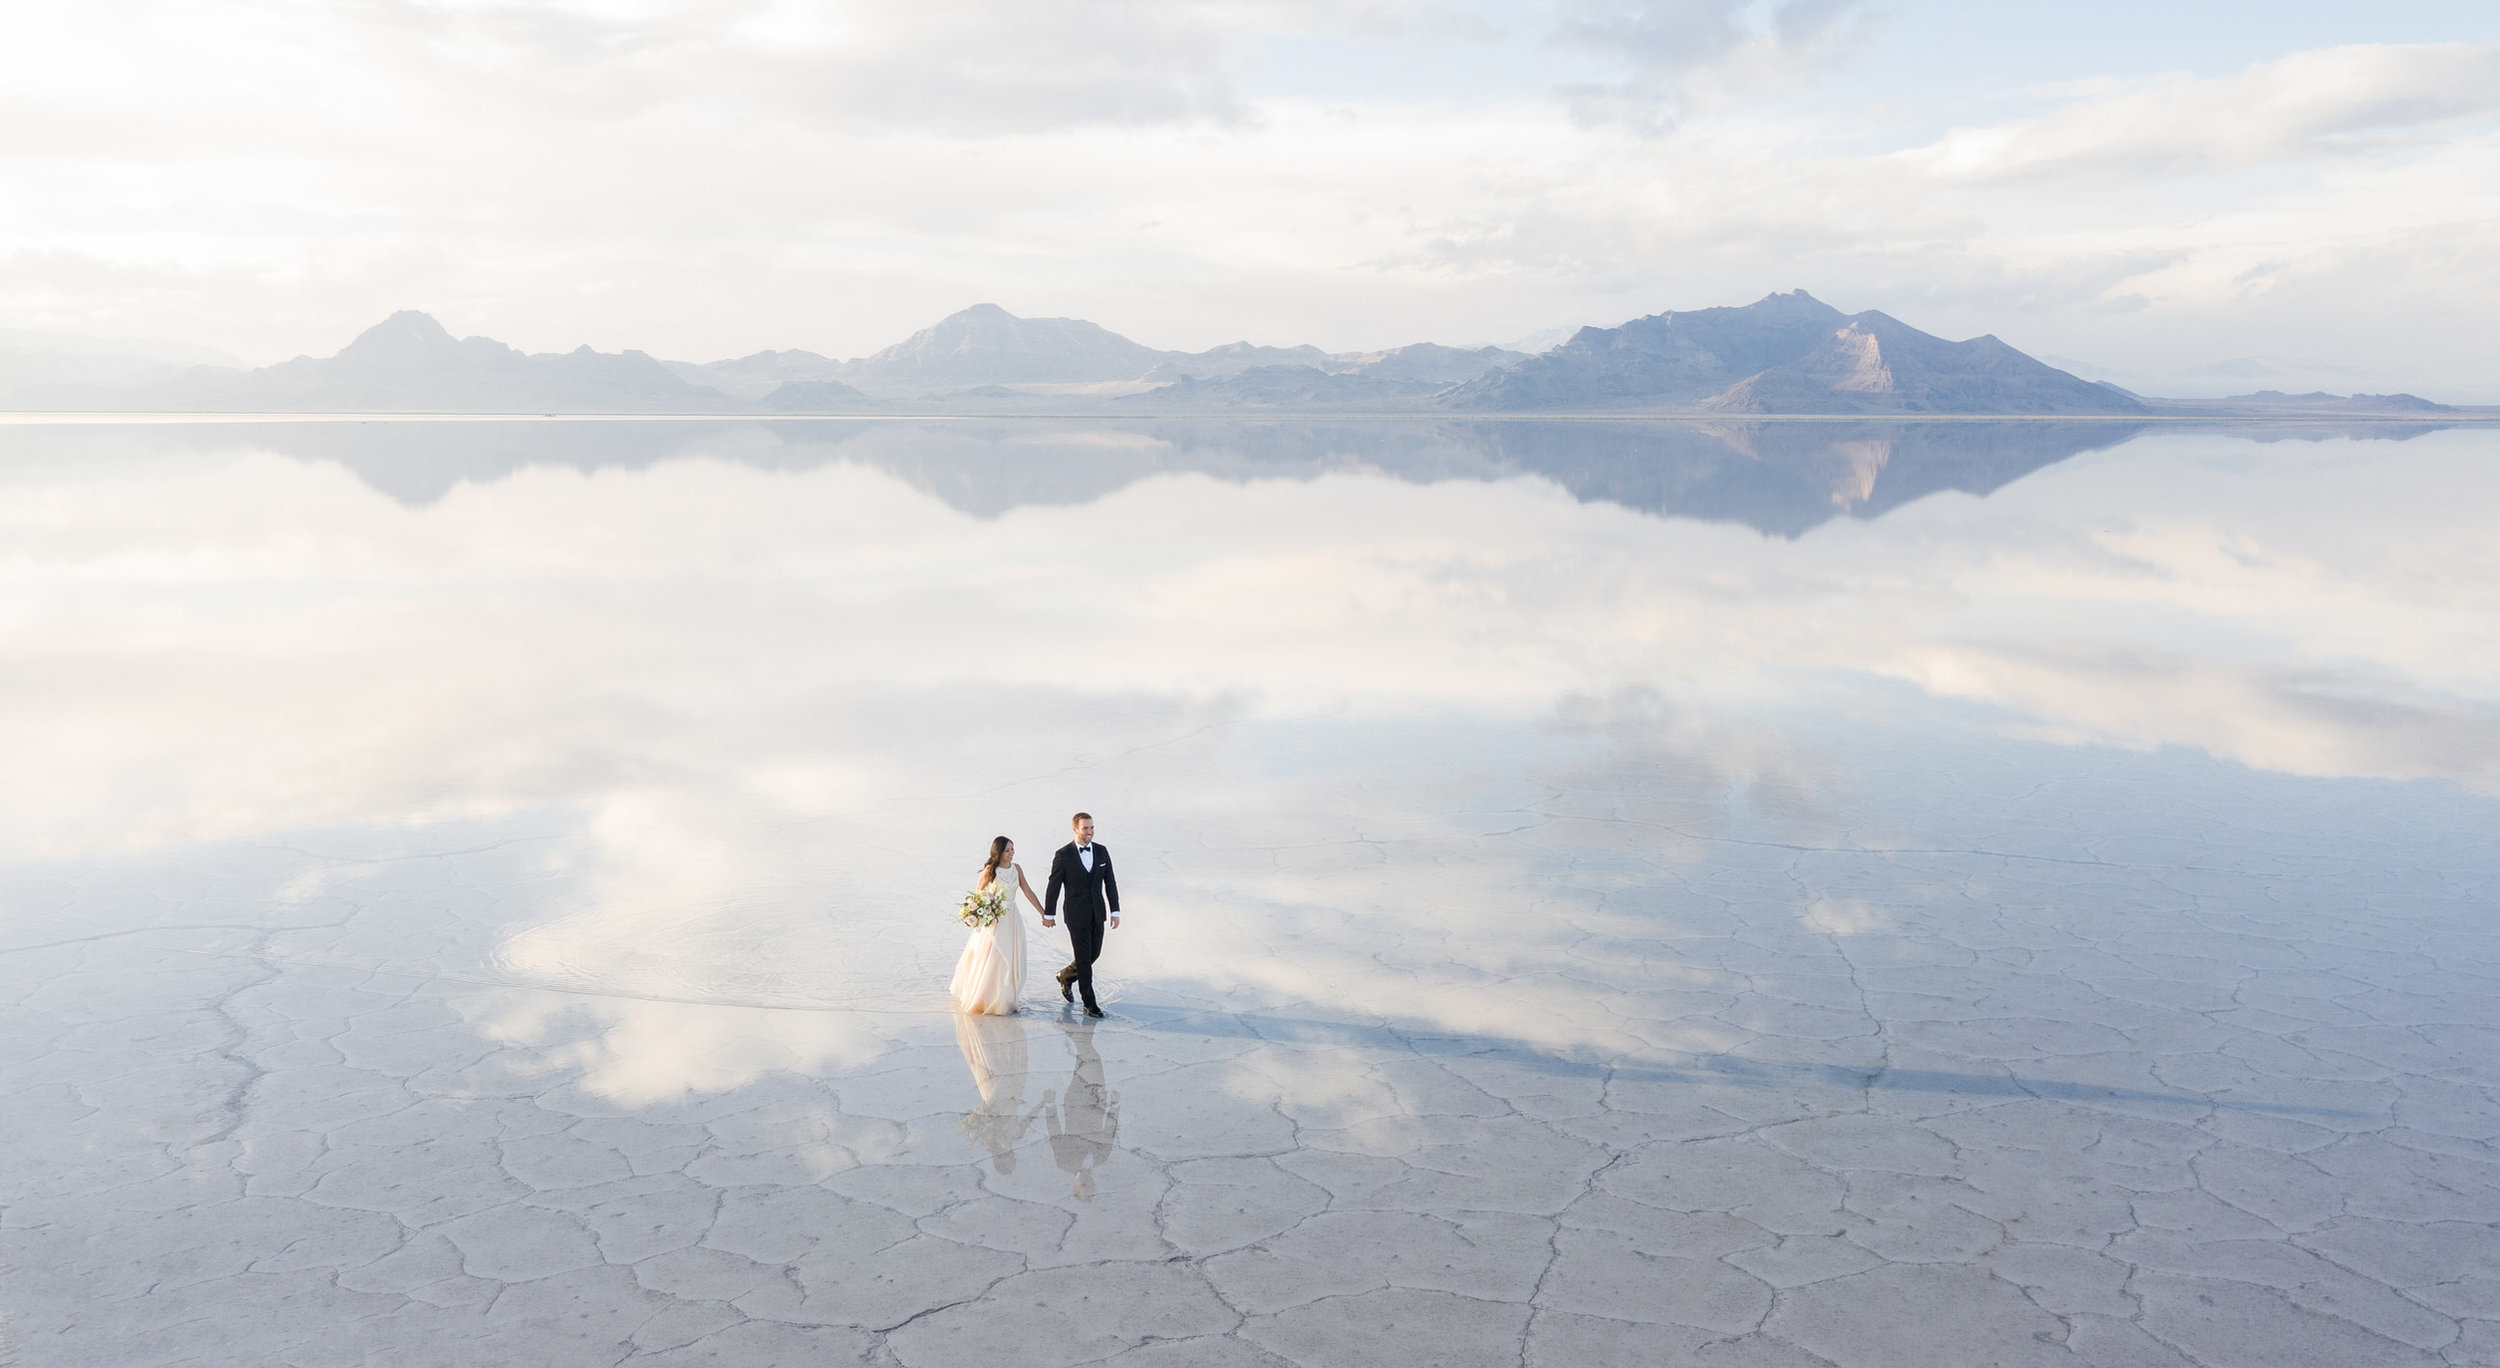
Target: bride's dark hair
[(998, 852)]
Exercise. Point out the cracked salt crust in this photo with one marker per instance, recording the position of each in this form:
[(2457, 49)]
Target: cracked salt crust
[(2026, 1126)]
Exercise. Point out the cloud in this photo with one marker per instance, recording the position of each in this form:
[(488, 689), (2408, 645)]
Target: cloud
[(1842, 917), (2329, 102), (736, 732), (639, 1051), (969, 68), (959, 66), (1668, 57)]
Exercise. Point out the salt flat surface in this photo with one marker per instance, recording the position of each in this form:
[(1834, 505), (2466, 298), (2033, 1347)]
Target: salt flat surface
[(480, 898)]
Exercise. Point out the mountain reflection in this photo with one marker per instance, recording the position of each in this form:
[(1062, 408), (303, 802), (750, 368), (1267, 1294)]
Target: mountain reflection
[(1780, 478)]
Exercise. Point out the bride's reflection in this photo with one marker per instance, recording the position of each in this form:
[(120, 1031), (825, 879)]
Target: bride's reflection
[(1086, 1124), (994, 1048)]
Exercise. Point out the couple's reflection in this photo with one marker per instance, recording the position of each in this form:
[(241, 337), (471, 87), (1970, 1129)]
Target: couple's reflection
[(1087, 1123), (1084, 1121)]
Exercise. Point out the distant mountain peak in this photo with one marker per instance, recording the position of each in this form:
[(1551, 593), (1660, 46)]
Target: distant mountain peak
[(409, 332), (1786, 352), (1664, 359), (409, 362), (410, 321), (978, 319), (985, 344), (2321, 402), (1875, 363)]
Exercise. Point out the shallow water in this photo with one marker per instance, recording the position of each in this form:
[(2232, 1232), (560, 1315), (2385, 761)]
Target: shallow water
[(1598, 893)]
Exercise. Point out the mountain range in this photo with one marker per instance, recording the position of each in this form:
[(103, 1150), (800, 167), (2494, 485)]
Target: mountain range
[(1781, 479), (1786, 354)]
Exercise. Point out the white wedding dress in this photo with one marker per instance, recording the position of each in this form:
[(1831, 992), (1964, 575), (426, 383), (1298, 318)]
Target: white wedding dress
[(990, 976)]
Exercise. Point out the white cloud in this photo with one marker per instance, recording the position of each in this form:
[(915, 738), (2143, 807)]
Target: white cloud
[(1842, 917), (1664, 58), (961, 66), (2334, 102)]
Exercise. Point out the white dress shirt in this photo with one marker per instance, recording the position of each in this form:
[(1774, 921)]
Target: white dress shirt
[(1085, 857)]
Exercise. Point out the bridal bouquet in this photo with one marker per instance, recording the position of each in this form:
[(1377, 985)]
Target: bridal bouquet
[(983, 906)]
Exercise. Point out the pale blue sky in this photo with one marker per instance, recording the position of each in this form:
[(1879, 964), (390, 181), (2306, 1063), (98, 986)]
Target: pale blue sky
[(1967, 55), (2178, 196)]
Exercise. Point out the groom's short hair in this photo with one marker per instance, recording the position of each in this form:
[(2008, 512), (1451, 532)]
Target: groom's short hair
[(1080, 817)]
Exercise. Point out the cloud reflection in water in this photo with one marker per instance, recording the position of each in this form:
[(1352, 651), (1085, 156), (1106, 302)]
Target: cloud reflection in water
[(1437, 725)]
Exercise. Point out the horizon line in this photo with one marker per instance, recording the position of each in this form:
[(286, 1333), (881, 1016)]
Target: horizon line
[(2464, 416)]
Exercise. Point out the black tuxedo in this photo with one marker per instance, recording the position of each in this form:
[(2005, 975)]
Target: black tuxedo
[(1092, 894)]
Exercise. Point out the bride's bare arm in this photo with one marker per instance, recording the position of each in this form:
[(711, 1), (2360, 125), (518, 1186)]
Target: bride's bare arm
[(1028, 889)]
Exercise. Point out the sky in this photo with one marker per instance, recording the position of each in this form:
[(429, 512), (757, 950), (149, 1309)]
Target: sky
[(2184, 198)]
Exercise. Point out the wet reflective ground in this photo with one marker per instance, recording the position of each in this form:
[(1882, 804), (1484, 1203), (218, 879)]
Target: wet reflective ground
[(1860, 894)]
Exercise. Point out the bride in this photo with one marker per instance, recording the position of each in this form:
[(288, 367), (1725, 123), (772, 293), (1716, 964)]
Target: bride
[(990, 976)]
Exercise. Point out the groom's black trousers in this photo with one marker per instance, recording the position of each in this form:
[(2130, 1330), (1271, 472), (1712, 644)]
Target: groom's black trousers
[(1085, 937)]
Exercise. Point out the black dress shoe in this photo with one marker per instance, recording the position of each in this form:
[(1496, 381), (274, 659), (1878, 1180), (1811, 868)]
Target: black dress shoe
[(1092, 1010), (1067, 989)]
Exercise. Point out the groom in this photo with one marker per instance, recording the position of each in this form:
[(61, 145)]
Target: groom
[(1084, 870)]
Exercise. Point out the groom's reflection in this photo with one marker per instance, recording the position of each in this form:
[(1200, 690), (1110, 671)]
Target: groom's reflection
[(1086, 1124), (994, 1048)]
